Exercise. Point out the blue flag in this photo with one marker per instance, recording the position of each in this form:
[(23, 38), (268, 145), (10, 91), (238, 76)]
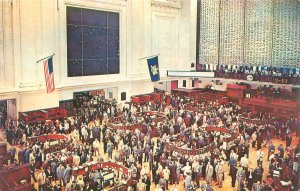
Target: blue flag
[(153, 68)]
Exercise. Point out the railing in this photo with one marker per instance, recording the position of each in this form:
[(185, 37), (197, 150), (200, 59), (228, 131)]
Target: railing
[(63, 142), (188, 151), (95, 166), (262, 78)]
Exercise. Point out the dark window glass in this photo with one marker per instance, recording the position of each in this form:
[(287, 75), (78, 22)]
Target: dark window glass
[(92, 42), (184, 83)]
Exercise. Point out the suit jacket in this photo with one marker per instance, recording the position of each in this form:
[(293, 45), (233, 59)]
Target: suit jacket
[(173, 170), (60, 171), (21, 155), (67, 174), (110, 147), (82, 159), (147, 182), (87, 188), (68, 187), (56, 188), (53, 167), (257, 187), (233, 171), (48, 173), (26, 156), (209, 170), (76, 160)]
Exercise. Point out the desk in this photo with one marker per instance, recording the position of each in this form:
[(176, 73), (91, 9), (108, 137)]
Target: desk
[(286, 186), (10, 178)]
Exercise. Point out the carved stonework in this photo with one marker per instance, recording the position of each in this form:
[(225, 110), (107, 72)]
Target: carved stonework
[(166, 4)]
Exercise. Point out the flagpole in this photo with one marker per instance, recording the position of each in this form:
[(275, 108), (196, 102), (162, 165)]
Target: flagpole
[(149, 56), (45, 58)]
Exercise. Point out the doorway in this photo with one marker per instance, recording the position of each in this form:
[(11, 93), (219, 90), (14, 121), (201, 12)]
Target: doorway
[(8, 113), (166, 86)]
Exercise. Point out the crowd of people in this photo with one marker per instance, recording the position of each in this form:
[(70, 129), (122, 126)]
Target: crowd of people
[(281, 75), (272, 92), (146, 155)]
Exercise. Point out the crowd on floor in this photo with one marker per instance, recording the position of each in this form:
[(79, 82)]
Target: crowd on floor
[(147, 157)]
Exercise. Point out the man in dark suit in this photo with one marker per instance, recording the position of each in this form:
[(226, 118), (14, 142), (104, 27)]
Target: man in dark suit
[(87, 187), (57, 187), (233, 171), (32, 169), (147, 181), (257, 186), (288, 140), (67, 174), (53, 169), (82, 158), (75, 186), (21, 156), (172, 173), (26, 156), (60, 172), (48, 173)]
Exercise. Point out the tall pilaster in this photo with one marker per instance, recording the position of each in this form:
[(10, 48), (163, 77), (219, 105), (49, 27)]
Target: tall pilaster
[(28, 37)]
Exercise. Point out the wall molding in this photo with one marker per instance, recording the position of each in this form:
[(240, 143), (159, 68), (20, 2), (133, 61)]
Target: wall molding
[(171, 5)]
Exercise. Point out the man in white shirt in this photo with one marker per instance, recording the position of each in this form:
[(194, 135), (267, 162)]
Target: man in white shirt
[(76, 160), (166, 173), (271, 155), (66, 127), (140, 186), (84, 134), (68, 186), (144, 171), (254, 137), (209, 173), (41, 180), (245, 162), (174, 188), (80, 182), (96, 145), (233, 155), (159, 169), (76, 134), (220, 173), (158, 188), (187, 169), (187, 181), (259, 157)]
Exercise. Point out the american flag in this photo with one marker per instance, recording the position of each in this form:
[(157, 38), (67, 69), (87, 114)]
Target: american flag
[(49, 75)]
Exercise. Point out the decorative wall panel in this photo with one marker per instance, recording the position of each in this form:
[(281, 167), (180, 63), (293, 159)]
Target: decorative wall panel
[(258, 32), (231, 31), (209, 31), (286, 34), (255, 32), (165, 40)]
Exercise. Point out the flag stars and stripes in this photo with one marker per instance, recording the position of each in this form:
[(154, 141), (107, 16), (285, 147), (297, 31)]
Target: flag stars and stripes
[(49, 75)]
